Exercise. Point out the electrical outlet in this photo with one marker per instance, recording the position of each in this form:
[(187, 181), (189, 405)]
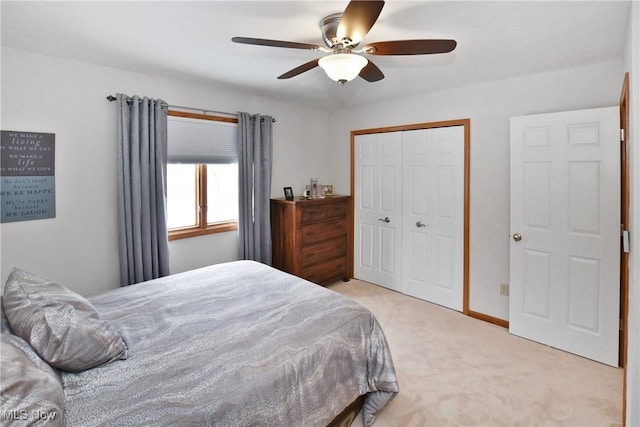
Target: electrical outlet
[(504, 289)]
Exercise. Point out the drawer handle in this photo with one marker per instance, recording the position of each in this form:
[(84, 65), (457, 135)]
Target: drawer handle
[(386, 219)]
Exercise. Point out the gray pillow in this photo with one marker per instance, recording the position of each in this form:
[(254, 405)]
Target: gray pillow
[(31, 390), (61, 325), (4, 322)]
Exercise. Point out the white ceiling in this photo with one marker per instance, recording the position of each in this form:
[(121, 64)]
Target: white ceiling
[(192, 41)]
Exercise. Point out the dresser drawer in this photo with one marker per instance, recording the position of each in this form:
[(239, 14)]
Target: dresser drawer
[(315, 213), (323, 251), (336, 210), (327, 272), (323, 231)]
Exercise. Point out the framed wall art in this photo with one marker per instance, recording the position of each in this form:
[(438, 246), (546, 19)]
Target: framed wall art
[(27, 174)]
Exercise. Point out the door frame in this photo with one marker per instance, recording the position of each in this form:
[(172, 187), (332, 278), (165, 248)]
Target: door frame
[(466, 123), (624, 225)]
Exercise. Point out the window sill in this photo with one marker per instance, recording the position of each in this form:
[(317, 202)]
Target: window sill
[(184, 233)]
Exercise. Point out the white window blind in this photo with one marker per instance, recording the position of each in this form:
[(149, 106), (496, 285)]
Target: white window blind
[(201, 141)]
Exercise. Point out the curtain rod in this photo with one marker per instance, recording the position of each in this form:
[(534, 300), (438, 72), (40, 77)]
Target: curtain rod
[(112, 98)]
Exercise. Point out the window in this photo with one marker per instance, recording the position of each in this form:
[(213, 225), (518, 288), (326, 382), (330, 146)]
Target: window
[(202, 174)]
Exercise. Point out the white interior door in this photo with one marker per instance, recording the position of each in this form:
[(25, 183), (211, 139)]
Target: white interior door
[(565, 229), (433, 206), (377, 209)]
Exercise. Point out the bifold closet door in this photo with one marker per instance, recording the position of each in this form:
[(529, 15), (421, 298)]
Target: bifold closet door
[(378, 209), (409, 212), (433, 206)]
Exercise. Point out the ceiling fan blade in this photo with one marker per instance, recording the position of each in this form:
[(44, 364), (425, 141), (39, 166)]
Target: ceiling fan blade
[(275, 43), (371, 73), (358, 18), (299, 70), (410, 47)]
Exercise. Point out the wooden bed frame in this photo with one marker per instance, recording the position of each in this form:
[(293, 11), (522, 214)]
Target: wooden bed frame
[(346, 417)]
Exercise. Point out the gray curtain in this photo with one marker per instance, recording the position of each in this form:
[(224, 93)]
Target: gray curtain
[(142, 177), (256, 139)]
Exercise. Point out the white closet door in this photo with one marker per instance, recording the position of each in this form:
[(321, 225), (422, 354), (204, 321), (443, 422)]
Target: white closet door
[(433, 207), (565, 225), (378, 205)]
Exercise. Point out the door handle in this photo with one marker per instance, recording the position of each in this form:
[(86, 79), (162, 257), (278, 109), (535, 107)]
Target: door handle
[(517, 237), (386, 219), (419, 224)]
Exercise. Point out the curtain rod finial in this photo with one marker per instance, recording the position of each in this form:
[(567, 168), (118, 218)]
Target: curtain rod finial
[(111, 98)]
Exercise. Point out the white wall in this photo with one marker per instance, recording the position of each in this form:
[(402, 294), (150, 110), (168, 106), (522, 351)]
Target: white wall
[(489, 106), (79, 246), (632, 65)]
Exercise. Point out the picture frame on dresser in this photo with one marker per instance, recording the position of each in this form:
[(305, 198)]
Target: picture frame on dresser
[(288, 193)]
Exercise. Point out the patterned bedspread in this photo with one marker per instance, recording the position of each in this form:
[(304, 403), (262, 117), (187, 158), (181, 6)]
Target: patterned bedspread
[(234, 344)]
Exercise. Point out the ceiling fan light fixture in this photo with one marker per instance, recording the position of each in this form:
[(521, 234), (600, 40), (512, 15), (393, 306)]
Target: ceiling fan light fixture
[(342, 33), (342, 67)]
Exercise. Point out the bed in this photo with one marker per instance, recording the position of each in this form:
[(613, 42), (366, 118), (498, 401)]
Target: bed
[(234, 344)]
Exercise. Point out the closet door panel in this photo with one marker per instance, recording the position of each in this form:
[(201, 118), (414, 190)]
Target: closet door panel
[(378, 205), (417, 209), (366, 163), (448, 219), (433, 208)]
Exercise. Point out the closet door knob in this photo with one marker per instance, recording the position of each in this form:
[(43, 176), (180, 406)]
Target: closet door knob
[(386, 219), (517, 237), (419, 224)]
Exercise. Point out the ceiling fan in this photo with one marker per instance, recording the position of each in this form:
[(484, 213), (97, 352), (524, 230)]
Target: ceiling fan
[(342, 33)]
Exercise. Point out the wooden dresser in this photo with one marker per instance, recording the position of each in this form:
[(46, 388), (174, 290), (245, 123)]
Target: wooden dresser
[(312, 238)]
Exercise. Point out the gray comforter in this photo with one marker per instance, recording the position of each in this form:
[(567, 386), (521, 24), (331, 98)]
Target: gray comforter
[(234, 344)]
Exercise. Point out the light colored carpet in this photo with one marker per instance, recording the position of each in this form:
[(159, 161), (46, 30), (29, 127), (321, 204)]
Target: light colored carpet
[(455, 370)]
